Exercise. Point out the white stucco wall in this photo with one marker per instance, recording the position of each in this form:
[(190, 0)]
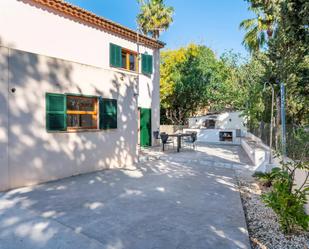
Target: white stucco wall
[(4, 74), (26, 27), (226, 120), (38, 156), (41, 51)]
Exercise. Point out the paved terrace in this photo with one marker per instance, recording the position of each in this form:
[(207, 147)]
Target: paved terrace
[(187, 200)]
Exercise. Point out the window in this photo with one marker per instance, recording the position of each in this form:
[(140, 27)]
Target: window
[(67, 112), (123, 58), (82, 112), (147, 64), (129, 60), (210, 124), (132, 62)]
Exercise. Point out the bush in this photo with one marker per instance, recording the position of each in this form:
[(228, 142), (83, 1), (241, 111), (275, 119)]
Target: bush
[(287, 200), (266, 178)]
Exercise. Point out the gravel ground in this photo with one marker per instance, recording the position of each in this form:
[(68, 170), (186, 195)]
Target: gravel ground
[(262, 222)]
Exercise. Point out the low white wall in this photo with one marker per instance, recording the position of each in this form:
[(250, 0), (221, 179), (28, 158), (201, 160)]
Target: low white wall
[(212, 135), (257, 155)]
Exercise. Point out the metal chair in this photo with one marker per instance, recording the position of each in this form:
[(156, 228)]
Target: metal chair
[(165, 140), (191, 140), (156, 136)]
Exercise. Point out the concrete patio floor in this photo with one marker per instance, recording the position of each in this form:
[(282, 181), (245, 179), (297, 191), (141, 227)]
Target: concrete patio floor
[(178, 202)]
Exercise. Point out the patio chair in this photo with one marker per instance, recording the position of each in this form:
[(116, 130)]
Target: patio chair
[(156, 136), (191, 141), (165, 140)]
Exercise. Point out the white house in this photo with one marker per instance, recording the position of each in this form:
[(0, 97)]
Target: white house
[(225, 127), (78, 93)]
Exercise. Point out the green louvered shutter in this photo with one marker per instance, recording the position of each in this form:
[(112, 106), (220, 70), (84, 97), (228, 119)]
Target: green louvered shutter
[(115, 55), (150, 64), (108, 114), (56, 117), (147, 64), (144, 63)]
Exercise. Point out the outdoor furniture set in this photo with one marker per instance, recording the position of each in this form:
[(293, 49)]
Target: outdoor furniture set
[(189, 139)]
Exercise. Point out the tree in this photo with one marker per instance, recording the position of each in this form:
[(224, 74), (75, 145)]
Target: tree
[(258, 30), (194, 79), (154, 17), (286, 58), (182, 82)]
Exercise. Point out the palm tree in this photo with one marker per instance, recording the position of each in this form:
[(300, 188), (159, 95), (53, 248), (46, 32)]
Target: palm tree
[(154, 17), (258, 30)]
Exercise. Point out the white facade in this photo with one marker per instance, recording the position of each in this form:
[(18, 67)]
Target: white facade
[(226, 120), (211, 128), (42, 51)]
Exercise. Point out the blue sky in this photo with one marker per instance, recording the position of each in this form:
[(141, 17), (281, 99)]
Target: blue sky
[(213, 23)]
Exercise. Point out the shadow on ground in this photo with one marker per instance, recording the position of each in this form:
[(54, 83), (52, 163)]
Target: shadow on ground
[(159, 204)]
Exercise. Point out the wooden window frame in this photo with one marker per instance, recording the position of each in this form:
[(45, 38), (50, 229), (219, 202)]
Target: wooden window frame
[(128, 53), (94, 113)]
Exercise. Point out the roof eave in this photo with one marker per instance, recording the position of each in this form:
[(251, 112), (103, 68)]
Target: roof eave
[(90, 18)]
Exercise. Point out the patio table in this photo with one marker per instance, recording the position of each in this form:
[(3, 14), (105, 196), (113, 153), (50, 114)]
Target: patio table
[(179, 136)]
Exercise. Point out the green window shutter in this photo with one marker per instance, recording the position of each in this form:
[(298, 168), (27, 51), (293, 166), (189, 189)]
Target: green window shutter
[(56, 116), (108, 114), (147, 64), (150, 64), (115, 55), (144, 64)]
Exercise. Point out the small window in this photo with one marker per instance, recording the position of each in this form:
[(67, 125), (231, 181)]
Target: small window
[(129, 60), (210, 124), (68, 112), (123, 58), (132, 62), (82, 112)]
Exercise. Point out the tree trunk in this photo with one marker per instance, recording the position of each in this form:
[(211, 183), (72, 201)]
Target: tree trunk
[(277, 121), (169, 115)]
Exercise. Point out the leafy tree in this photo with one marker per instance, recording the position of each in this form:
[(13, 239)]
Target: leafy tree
[(285, 60), (154, 17), (258, 29), (194, 79), (183, 82)]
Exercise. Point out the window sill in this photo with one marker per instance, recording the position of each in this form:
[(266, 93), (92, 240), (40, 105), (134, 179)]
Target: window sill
[(81, 131), (124, 70)]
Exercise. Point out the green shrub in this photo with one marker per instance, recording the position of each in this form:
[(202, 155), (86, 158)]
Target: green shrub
[(287, 200), (266, 178)]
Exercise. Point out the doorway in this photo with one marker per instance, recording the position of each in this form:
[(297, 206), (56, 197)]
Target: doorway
[(145, 127)]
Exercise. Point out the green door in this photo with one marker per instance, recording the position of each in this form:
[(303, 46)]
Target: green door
[(145, 127)]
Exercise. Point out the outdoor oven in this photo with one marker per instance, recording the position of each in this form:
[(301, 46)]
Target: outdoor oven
[(226, 136)]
